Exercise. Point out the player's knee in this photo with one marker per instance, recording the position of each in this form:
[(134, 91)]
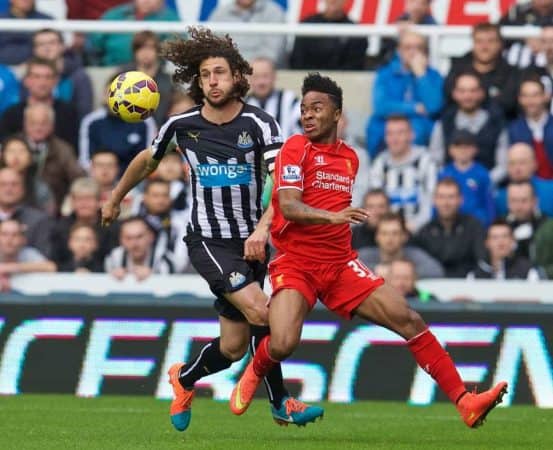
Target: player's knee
[(283, 346), (256, 314), (234, 350)]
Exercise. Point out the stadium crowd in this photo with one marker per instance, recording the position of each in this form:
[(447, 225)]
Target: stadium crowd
[(456, 169)]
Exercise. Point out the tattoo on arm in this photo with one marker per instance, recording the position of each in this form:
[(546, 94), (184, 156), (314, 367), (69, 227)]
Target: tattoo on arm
[(298, 211)]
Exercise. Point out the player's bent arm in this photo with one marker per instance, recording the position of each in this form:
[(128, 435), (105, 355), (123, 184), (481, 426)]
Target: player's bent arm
[(140, 167), (294, 209)]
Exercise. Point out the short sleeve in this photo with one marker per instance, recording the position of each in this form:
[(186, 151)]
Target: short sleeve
[(163, 138), (289, 171), (270, 139)]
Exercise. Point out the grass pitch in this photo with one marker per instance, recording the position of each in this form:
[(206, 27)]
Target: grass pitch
[(64, 422)]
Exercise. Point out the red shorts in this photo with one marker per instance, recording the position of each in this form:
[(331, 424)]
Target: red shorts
[(340, 287)]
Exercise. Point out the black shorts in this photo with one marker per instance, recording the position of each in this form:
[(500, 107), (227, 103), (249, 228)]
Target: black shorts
[(221, 263)]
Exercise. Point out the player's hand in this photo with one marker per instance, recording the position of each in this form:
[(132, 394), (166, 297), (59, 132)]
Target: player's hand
[(349, 215), (254, 247), (110, 212)]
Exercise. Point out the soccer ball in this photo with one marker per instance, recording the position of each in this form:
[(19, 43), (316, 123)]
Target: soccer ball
[(133, 96)]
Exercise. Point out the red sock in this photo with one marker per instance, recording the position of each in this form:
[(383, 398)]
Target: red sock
[(262, 361), (432, 357)]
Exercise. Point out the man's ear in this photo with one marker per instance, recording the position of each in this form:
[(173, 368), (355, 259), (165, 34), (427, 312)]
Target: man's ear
[(237, 76)]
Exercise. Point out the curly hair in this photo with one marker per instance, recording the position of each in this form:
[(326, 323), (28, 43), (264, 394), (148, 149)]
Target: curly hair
[(314, 81), (187, 55)]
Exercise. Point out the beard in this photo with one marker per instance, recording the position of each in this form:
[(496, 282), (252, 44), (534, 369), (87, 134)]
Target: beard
[(223, 100)]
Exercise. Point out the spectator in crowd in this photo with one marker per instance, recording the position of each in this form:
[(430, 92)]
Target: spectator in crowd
[(407, 85), (116, 49), (535, 125), (472, 177), (84, 202), (533, 12), (416, 12), (173, 170), (470, 111), (104, 169), (254, 11), (329, 53), (74, 85), (500, 80), (135, 254), (391, 237), (541, 249), (15, 256), (38, 225), (501, 261), (169, 225), (17, 154), (89, 9), (527, 54), (83, 246), (40, 80), (17, 47), (146, 48), (453, 238), (282, 104), (377, 204), (535, 57), (521, 166), (403, 276), (101, 130), (9, 88), (56, 163), (406, 173), (523, 216), (180, 102)]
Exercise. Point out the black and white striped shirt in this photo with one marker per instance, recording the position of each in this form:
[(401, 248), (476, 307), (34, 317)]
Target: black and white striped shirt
[(228, 164), (284, 106), (409, 184)]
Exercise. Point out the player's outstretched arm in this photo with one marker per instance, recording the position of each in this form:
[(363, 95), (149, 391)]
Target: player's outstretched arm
[(293, 209), (140, 167)]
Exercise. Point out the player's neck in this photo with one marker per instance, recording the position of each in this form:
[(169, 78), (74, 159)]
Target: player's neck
[(223, 114), (326, 140)]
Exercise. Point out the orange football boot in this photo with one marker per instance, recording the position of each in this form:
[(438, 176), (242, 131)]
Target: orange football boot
[(475, 407)]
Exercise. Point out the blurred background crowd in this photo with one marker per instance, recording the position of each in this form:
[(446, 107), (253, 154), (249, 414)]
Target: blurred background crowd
[(456, 166)]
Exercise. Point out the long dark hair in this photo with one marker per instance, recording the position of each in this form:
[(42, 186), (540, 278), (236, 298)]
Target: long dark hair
[(187, 55)]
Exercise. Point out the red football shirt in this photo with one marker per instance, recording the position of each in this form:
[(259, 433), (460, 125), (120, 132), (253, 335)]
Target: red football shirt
[(325, 174)]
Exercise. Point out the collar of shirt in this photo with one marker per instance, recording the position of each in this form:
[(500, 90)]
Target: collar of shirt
[(537, 126), (473, 122)]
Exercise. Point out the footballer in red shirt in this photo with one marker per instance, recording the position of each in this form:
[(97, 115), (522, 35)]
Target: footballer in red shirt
[(314, 174)]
